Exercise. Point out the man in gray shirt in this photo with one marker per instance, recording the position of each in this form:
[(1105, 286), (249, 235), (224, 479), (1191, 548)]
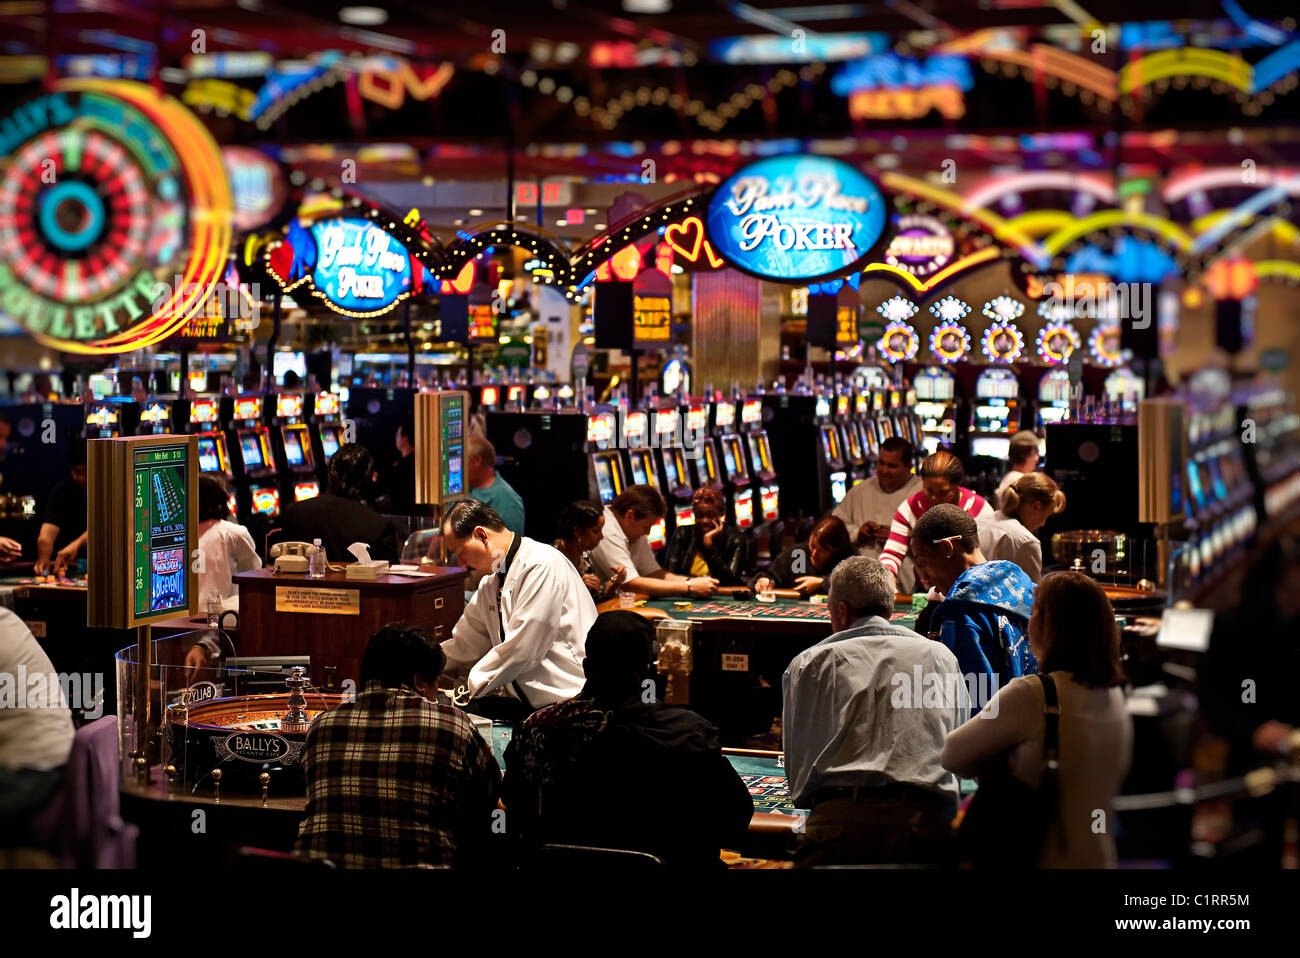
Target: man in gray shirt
[(866, 714), (869, 507)]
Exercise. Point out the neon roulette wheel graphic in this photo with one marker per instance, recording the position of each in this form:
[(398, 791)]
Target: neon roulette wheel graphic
[(111, 191)]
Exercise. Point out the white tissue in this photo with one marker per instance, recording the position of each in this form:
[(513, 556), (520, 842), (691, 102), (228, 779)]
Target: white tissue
[(361, 552)]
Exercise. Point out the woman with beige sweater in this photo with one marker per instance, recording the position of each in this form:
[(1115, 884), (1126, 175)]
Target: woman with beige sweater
[(1073, 635)]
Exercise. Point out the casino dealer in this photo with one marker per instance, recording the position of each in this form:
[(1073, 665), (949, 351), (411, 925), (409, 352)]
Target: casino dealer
[(522, 638)]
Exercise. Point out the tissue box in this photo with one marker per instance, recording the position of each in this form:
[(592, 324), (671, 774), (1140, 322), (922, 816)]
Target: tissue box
[(367, 571)]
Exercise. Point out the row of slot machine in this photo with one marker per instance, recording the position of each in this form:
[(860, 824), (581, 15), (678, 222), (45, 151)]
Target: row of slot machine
[(678, 448), (273, 449), (851, 426), (1220, 496)]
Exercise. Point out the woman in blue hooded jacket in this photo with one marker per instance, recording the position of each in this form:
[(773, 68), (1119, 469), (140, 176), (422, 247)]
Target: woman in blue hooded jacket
[(984, 616)]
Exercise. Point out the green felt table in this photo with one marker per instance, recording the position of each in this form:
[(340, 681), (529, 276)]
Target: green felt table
[(783, 616)]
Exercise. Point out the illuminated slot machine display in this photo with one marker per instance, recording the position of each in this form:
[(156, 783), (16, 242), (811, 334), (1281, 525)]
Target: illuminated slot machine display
[(565, 396), (642, 468), (761, 469), (516, 397), (672, 460), (1053, 398), (1125, 389), (156, 418), (867, 437), (329, 430), (936, 405), (995, 413), (850, 440), (880, 421), (702, 458), (1221, 517), (214, 454), (832, 470), (256, 461), (103, 419), (735, 467), (295, 459), (491, 398), (607, 477)]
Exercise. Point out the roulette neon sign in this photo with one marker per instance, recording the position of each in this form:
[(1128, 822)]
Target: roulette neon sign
[(949, 342), (1003, 342), (899, 342), (114, 216), (1104, 345)]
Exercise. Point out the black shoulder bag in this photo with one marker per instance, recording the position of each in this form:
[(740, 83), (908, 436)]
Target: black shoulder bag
[(1007, 822)]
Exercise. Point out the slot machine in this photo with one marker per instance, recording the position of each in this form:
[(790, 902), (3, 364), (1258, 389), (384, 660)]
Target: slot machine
[(214, 454), (1053, 398), (832, 470), (329, 429), (295, 457), (256, 475), (162, 417), (1124, 390), (516, 397), (761, 466), (861, 422), (642, 469), (936, 405), (735, 467), (110, 418), (850, 438), (607, 475), (491, 398), (672, 461), (702, 456), (995, 412)]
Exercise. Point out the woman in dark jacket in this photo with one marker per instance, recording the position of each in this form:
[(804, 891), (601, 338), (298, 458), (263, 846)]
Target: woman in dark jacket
[(710, 547), (807, 566)]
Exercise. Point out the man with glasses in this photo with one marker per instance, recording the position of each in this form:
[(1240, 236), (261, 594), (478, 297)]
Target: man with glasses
[(521, 641)]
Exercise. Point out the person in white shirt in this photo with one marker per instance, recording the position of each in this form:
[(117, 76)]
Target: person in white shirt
[(522, 638), (866, 713), (1023, 455), (225, 547), (1011, 533), (632, 514), (868, 509), (35, 733)]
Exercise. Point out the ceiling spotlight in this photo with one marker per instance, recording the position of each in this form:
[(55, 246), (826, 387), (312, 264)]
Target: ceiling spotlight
[(475, 212), (647, 6), (363, 16)]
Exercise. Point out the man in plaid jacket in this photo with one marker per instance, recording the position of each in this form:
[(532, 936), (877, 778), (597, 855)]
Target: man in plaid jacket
[(395, 780)]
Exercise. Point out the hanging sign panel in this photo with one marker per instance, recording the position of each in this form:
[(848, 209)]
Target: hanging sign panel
[(361, 270), (791, 219)]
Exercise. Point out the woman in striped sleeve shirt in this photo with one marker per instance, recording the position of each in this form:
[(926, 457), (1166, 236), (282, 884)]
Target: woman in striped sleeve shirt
[(942, 476)]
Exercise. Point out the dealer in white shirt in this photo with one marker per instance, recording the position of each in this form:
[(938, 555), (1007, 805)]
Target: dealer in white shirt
[(522, 637)]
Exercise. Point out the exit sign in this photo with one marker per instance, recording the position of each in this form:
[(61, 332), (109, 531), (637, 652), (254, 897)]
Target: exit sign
[(551, 194)]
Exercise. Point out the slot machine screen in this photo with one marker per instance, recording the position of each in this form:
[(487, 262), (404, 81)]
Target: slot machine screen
[(295, 362), (490, 396), (203, 411), (877, 402), (247, 410), (515, 394), (725, 415), (998, 447), (860, 404), (839, 487), (288, 406), (232, 504), (685, 516), (452, 413), (1194, 485), (666, 422), (751, 412), (830, 443), (1216, 480), (735, 457), (250, 447), (758, 454), (769, 500), (156, 414), (697, 420), (305, 490), (102, 416), (329, 441), (600, 429), (709, 458), (266, 500), (672, 474), (745, 508), (293, 447), (636, 429), (855, 448), (842, 406), (208, 459), (605, 480), (658, 535), (327, 404), (161, 522)]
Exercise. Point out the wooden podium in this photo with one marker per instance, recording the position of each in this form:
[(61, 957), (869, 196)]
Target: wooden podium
[(332, 619)]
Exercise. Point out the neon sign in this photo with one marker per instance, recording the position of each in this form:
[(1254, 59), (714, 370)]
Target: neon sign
[(888, 86), (1057, 342), (897, 309), (899, 342), (653, 318), (360, 270), (796, 218), (950, 309), (922, 245), (1003, 342), (1104, 345), (116, 216), (1003, 308), (949, 342)]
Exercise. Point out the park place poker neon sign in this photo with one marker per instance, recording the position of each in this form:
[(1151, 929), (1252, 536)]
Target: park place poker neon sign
[(793, 219), (361, 270)]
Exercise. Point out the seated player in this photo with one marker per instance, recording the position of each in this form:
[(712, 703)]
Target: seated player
[(226, 546), (709, 548), (869, 507), (806, 566), (613, 768), (486, 486), (36, 739), (861, 745), (520, 640), (1023, 455), (942, 476), (63, 531), (986, 606), (581, 527), (1011, 533), (395, 780), (628, 518), (401, 475), (339, 516)]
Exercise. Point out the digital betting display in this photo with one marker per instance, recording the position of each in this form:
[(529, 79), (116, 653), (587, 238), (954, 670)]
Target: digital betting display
[(453, 446), (160, 522)]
